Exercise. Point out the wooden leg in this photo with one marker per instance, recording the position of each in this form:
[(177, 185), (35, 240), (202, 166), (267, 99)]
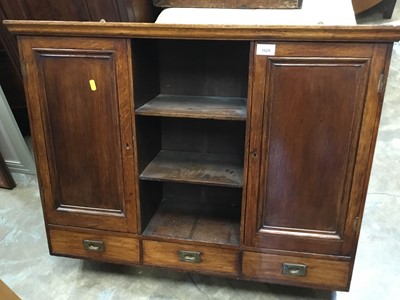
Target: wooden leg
[(388, 8), (6, 180)]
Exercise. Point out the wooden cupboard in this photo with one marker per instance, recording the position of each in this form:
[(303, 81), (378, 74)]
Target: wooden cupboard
[(236, 151)]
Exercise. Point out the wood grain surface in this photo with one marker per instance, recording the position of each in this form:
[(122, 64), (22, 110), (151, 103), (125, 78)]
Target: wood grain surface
[(216, 223), (82, 134), (200, 107), (243, 197), (7, 293), (215, 32), (322, 273), (230, 3), (116, 248), (199, 168), (213, 260)]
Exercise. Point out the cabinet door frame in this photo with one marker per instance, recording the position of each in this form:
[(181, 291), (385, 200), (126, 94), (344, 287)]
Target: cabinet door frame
[(119, 51), (343, 241)]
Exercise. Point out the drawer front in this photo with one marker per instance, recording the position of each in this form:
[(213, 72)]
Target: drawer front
[(95, 246), (189, 257), (308, 272)]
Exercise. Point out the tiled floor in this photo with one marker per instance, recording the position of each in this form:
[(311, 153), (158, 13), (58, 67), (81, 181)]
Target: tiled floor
[(28, 269)]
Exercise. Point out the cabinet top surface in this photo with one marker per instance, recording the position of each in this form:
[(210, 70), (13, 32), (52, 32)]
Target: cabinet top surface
[(355, 33)]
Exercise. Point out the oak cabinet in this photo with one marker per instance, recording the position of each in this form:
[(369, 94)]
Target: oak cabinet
[(235, 151)]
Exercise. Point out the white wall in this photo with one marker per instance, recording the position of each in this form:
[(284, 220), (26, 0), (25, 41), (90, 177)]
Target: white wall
[(12, 144)]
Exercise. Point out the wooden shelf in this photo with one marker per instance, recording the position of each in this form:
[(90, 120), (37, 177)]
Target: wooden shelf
[(198, 168), (201, 222), (200, 107)]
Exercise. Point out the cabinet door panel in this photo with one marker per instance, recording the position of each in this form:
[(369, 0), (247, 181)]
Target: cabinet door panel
[(307, 115), (83, 108), (309, 141), (82, 126)]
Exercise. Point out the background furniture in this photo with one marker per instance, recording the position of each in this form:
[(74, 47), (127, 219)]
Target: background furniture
[(6, 179), (63, 10), (312, 12), (217, 149), (389, 8), (363, 5), (230, 3)]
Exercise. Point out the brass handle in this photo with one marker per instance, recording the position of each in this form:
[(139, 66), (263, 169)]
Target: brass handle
[(193, 257), (95, 246), (294, 269)]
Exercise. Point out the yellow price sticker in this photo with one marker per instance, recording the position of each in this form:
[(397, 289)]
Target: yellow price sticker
[(92, 84)]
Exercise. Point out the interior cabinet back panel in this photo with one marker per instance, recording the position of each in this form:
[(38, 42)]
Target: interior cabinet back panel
[(203, 136), (83, 108), (203, 68)]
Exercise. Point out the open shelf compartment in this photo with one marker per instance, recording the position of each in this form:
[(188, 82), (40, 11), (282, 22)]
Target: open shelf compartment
[(191, 78), (197, 151), (196, 213)]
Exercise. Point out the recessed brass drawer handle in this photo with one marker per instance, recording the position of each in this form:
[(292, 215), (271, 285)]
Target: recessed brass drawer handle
[(193, 257), (294, 269), (95, 246)]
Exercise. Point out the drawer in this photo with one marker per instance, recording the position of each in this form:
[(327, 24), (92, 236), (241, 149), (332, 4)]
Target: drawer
[(189, 257), (308, 272), (99, 246)]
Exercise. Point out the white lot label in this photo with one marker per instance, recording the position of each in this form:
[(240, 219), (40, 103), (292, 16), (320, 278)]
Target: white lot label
[(266, 49)]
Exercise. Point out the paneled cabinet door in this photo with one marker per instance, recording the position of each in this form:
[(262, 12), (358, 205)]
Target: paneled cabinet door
[(314, 113), (79, 100)]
